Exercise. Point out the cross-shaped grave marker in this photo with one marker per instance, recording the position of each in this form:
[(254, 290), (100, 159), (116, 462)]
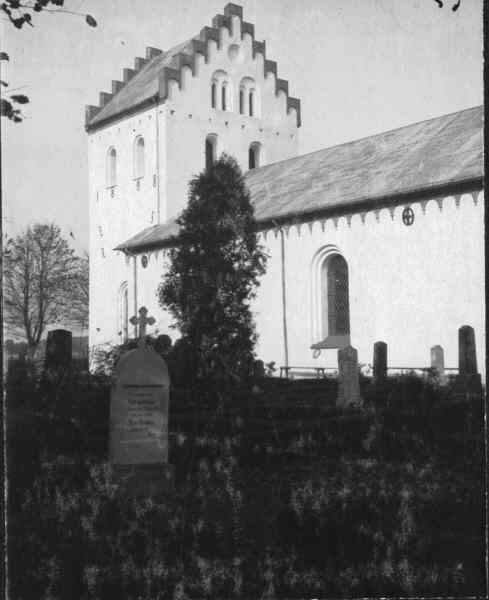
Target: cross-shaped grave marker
[(142, 321)]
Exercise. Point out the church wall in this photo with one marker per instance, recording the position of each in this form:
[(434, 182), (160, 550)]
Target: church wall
[(410, 286), (117, 213), (190, 116)]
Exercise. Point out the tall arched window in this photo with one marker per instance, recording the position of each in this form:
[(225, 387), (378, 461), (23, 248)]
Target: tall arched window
[(254, 156), (139, 157), (249, 97), (124, 312), (251, 102), (224, 93), (241, 101), (221, 91), (334, 296), (210, 150), (111, 167)]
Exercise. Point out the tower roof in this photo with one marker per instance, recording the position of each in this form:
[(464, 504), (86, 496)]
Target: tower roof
[(147, 82), (433, 158)]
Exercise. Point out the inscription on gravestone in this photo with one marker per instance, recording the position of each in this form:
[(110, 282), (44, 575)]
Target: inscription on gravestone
[(139, 415), (348, 378)]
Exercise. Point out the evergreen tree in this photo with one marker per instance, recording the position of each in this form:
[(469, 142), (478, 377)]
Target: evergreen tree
[(213, 274)]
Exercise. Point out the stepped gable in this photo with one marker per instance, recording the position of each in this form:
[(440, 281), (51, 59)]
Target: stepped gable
[(147, 83), (433, 158)]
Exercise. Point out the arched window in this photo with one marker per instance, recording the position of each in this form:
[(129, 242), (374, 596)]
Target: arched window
[(123, 312), (254, 156), (221, 91), (241, 101), (139, 157), (210, 150), (248, 97), (334, 296), (224, 93), (111, 167), (251, 102)]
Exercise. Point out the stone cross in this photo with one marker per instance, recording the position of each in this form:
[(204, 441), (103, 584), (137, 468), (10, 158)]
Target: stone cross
[(467, 360), (380, 362), (438, 360), (142, 321), (348, 378)]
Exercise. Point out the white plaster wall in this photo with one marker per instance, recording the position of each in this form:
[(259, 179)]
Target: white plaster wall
[(190, 117), (115, 218), (184, 121), (412, 287), (148, 280)]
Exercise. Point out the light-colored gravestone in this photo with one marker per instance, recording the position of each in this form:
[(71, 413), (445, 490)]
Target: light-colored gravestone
[(139, 408), (380, 362), (348, 378), (438, 360)]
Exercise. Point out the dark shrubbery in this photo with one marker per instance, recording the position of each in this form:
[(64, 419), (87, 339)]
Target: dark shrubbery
[(274, 497)]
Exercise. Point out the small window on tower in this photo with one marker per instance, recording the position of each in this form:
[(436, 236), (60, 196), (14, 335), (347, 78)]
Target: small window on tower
[(224, 96), (139, 158), (241, 101), (210, 150), (251, 100), (111, 167), (213, 94), (254, 156)]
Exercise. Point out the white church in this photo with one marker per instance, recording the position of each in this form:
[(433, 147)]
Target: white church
[(380, 239)]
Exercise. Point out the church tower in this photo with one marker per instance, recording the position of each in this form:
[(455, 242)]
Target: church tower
[(170, 116)]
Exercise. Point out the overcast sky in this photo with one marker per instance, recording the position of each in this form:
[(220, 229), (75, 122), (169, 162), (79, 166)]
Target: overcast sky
[(359, 67)]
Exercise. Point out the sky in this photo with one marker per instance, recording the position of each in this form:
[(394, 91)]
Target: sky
[(359, 67)]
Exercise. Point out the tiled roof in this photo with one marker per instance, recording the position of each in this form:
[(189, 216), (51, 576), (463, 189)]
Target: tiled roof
[(437, 156), (147, 83)]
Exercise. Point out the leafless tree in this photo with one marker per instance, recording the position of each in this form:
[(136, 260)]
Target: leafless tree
[(44, 283)]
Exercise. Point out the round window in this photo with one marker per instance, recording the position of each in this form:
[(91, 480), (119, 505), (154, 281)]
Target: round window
[(144, 261), (408, 216)]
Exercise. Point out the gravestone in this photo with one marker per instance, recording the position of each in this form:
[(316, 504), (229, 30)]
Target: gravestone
[(58, 349), (139, 407), (467, 360), (438, 360), (348, 378), (259, 369), (380, 362)]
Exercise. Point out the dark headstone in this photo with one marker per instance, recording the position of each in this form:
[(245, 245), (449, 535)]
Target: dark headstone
[(380, 362), (139, 422), (348, 378), (438, 360), (58, 349), (467, 361), (259, 369)]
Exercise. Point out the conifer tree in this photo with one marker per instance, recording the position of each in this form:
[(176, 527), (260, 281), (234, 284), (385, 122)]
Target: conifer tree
[(213, 274)]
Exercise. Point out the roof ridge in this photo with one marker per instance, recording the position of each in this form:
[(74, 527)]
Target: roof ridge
[(366, 137)]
